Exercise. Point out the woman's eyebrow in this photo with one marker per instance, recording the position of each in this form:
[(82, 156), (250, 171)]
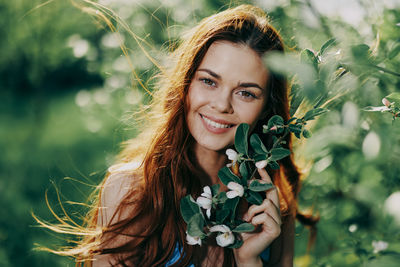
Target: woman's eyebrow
[(211, 73), (247, 85)]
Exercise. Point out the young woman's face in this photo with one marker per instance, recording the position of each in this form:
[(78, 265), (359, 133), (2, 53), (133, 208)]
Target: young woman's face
[(228, 88)]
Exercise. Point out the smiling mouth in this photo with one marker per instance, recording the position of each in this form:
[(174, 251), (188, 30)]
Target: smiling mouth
[(215, 124)]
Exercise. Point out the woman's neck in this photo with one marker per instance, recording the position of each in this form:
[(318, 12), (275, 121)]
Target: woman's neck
[(210, 161)]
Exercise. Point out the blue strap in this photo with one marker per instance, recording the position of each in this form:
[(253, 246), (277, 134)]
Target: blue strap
[(176, 255), (265, 254)]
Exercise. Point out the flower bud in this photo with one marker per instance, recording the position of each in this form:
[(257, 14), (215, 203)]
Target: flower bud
[(193, 240), (261, 164), (273, 128), (386, 102)]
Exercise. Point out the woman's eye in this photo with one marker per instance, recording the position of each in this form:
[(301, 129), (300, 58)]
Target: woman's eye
[(247, 94), (208, 82)]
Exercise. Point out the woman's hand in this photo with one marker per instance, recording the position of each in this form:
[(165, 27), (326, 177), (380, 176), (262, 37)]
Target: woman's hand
[(266, 217)]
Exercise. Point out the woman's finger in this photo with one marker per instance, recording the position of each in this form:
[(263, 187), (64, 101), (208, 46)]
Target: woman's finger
[(265, 176), (274, 212), (267, 207), (255, 243), (272, 193), (270, 226)]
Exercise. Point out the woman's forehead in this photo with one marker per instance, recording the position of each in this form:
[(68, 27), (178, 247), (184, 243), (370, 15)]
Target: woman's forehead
[(234, 61)]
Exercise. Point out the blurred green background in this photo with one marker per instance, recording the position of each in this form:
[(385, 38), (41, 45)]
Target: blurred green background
[(68, 95)]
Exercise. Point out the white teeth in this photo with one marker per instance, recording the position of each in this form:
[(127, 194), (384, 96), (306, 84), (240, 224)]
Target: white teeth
[(215, 124)]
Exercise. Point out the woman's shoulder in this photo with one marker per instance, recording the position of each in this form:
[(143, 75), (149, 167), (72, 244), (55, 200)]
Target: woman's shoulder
[(121, 180)]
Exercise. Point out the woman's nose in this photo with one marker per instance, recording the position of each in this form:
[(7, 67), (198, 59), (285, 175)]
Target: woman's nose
[(222, 102)]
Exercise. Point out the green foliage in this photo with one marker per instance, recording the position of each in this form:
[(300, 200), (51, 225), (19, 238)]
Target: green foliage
[(189, 208), (326, 46), (279, 153), (243, 228), (241, 138), (308, 57), (277, 122), (254, 197), (256, 186), (244, 172), (311, 114), (391, 105), (226, 176), (231, 204), (257, 144), (394, 99), (195, 225)]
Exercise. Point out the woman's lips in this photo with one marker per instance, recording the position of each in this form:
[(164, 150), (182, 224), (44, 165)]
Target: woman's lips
[(215, 125)]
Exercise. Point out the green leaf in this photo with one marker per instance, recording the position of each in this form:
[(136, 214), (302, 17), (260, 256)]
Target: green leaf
[(274, 165), (276, 120), (221, 215), (322, 98), (394, 97), (256, 186), (311, 114), (231, 205), (241, 138), (327, 45), (215, 189), (297, 97), (308, 56), (279, 153), (361, 53), (189, 208), (390, 260), (238, 243), (254, 198), (244, 172), (260, 157), (296, 129), (257, 144), (244, 228), (226, 176), (195, 226), (288, 65), (221, 197), (394, 52), (307, 133)]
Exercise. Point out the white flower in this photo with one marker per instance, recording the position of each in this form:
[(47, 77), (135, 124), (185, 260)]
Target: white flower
[(232, 155), (193, 240), (392, 206), (226, 237), (261, 164), (237, 190), (379, 246), (353, 228), (205, 200)]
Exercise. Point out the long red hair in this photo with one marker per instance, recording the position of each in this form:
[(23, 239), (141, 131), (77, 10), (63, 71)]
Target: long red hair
[(168, 168)]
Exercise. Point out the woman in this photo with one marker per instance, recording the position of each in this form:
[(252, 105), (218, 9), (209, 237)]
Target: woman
[(216, 81)]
